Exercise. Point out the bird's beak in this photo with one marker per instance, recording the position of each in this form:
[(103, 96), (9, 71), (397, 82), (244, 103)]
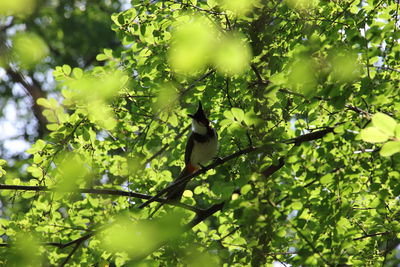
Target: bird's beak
[(191, 116)]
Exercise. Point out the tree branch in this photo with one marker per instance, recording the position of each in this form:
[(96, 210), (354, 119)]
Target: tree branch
[(273, 168), (57, 244), (35, 93), (310, 136), (77, 245), (204, 214), (370, 235), (113, 192), (358, 110)]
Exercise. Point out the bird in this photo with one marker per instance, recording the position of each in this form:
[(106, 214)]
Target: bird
[(201, 147)]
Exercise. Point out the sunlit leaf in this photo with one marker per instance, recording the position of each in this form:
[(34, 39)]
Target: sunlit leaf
[(373, 135), (384, 123), (390, 148), (72, 171), (166, 98), (25, 251), (302, 4), (238, 114), (397, 131)]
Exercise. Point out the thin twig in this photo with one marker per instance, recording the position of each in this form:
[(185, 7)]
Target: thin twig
[(370, 235)]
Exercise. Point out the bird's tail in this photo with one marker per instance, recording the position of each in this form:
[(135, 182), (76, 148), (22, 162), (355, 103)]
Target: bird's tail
[(176, 193)]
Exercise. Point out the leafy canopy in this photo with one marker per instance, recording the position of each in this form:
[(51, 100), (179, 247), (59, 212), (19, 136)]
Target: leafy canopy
[(305, 98)]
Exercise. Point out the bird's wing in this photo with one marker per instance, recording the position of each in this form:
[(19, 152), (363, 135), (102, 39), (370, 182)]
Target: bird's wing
[(189, 148)]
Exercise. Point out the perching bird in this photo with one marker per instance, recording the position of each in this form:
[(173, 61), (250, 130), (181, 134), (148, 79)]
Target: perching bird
[(201, 147)]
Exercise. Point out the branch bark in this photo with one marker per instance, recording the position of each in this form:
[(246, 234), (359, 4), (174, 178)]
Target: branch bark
[(35, 93)]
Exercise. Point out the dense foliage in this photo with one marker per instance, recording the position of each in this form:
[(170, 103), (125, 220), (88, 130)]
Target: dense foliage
[(305, 98)]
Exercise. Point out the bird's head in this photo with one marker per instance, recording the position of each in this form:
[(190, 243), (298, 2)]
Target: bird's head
[(199, 120)]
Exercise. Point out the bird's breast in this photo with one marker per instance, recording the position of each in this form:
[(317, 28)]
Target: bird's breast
[(203, 152)]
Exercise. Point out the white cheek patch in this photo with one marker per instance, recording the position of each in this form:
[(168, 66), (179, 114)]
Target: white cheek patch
[(199, 128)]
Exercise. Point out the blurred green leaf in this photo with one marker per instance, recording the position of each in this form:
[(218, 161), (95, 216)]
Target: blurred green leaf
[(137, 238), (19, 8), (193, 40), (239, 7), (29, 49), (232, 55)]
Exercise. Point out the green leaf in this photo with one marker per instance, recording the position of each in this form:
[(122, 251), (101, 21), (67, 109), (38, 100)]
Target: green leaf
[(251, 118), (49, 114), (101, 57), (212, 3), (53, 103), (390, 148), (297, 205), (52, 126), (373, 135), (327, 178), (77, 72), (397, 131), (37, 159), (66, 69), (278, 78), (384, 123), (29, 49), (43, 102), (245, 189), (232, 55), (229, 115), (238, 114)]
